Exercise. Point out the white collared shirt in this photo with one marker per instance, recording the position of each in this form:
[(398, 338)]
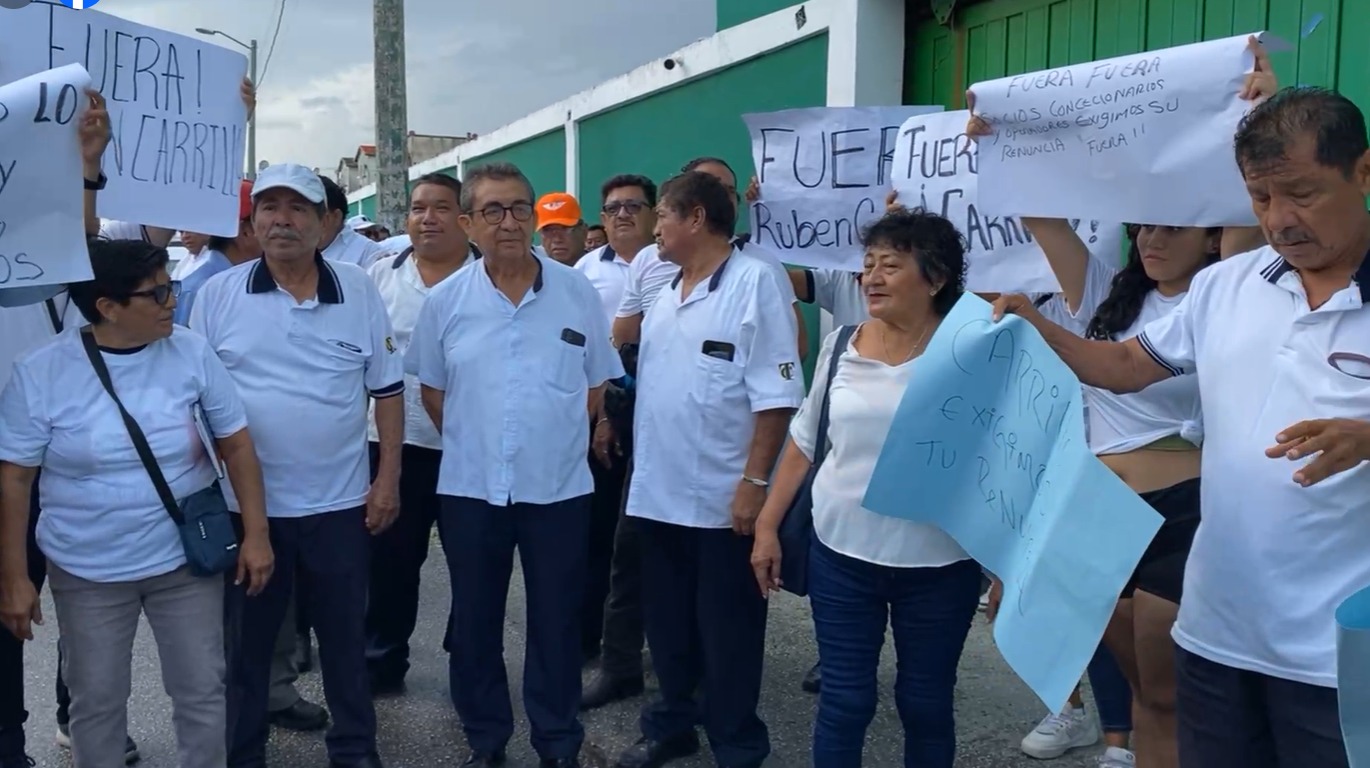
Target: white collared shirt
[(708, 363), (304, 371), (403, 291), (352, 248), (649, 273), (515, 380), (608, 273), (839, 293), (1271, 560)]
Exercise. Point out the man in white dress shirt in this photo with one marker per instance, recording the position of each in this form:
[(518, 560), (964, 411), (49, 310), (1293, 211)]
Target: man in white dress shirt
[(340, 241), (512, 355), (723, 380)]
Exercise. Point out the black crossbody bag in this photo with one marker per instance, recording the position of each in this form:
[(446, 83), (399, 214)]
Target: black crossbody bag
[(211, 544)]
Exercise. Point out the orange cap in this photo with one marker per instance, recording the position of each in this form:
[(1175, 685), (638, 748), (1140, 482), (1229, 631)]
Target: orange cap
[(558, 208), (245, 200)]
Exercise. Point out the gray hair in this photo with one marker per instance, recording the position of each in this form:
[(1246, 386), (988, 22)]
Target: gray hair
[(491, 172)]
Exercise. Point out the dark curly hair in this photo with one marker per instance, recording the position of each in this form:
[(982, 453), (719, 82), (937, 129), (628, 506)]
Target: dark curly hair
[(118, 267), (1120, 309), (936, 245)]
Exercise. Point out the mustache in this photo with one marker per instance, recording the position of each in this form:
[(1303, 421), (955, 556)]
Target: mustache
[(283, 233), (1289, 237)]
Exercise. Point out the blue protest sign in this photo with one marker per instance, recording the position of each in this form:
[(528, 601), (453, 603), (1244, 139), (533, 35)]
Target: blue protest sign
[(988, 443), (1353, 675)]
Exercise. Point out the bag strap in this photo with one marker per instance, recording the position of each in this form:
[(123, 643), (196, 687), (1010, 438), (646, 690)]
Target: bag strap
[(838, 348), (54, 316), (135, 433)]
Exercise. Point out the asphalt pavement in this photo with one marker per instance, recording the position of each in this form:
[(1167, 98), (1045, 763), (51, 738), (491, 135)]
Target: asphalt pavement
[(420, 730)]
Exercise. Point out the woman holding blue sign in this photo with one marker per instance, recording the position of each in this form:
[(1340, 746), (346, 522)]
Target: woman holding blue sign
[(1149, 438)]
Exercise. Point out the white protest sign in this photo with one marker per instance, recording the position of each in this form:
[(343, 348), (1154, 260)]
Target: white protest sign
[(42, 223), (824, 173), (1145, 138), (937, 168), (176, 159)]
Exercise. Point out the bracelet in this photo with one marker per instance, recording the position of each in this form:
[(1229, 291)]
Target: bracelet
[(601, 421), (757, 482)]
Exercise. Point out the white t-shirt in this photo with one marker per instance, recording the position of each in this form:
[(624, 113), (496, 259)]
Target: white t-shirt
[(1122, 423), (102, 518), (865, 395), (26, 328), (840, 294), (649, 273), (608, 273)]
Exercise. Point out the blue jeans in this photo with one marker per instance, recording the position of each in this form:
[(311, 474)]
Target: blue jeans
[(930, 610), (1112, 693)]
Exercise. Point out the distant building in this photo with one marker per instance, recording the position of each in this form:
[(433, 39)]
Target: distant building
[(360, 170)]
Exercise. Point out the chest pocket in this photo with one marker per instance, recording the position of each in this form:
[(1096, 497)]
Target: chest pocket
[(1348, 377), (718, 373), (566, 370), (333, 353)]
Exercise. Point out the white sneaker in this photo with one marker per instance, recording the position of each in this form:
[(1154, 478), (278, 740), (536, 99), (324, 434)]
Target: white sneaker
[(1060, 733), (1117, 757)]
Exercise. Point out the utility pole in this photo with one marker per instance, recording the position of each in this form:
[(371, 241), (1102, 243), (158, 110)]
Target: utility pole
[(392, 115)]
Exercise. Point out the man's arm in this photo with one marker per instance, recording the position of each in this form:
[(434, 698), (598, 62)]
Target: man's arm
[(771, 428), (432, 404), (627, 330), (390, 431), (802, 332), (802, 282), (1120, 367)]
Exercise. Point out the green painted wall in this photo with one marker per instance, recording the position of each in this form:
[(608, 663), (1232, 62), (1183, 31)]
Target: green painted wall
[(734, 12), (541, 158), (658, 134)]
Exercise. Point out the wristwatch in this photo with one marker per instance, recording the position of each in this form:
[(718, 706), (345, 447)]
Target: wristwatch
[(98, 184)]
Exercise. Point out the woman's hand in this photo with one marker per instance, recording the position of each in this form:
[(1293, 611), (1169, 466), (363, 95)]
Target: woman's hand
[(256, 563), (766, 561), (892, 201), (248, 92), (753, 192), (19, 607), (1261, 83), (94, 133), (994, 600), (976, 126)]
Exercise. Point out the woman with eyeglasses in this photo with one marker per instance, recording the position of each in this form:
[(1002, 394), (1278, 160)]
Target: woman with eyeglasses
[(114, 553)]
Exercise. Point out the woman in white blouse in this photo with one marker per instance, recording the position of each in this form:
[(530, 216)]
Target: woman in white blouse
[(868, 571), (113, 551)]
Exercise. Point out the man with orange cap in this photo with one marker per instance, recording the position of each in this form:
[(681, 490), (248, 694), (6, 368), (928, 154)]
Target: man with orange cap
[(561, 227)]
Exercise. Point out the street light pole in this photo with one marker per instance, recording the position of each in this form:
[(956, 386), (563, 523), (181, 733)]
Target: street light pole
[(251, 49)]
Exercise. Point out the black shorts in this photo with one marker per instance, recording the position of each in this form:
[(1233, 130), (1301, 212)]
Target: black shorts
[(1161, 570)]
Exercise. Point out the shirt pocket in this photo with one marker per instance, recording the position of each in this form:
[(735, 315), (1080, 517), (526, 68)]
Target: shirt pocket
[(566, 370), (715, 379), (333, 354)]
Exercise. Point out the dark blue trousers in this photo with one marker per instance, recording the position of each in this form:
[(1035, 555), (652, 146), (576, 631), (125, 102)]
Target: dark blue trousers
[(479, 541), (705, 622), (328, 554), (397, 557), (1112, 692), (930, 611)]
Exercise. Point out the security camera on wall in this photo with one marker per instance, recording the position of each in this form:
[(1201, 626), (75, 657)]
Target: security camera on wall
[(669, 64)]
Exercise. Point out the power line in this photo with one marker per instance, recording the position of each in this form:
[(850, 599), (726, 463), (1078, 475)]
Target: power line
[(271, 49)]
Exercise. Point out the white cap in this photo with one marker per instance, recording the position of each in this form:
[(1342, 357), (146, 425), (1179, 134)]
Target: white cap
[(360, 224), (290, 176)]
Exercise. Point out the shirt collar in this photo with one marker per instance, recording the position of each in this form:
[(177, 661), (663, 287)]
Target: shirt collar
[(537, 279), (714, 279), (1279, 267), (472, 254), (607, 253), (329, 290), (741, 240)]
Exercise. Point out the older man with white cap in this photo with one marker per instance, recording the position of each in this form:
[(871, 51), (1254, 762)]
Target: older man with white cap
[(306, 400)]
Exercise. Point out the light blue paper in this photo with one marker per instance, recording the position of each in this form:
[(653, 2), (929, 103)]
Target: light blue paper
[(988, 443), (1353, 675)]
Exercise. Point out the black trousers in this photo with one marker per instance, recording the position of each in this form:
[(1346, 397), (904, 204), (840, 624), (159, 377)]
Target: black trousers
[(706, 622), (605, 505), (397, 558), (623, 634), (328, 554)]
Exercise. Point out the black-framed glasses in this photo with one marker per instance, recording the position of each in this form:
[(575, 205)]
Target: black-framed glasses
[(631, 207), (160, 293), (494, 213)]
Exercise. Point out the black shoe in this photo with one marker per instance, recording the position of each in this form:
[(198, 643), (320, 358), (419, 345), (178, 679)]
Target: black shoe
[(654, 754), (559, 762), (485, 759), (813, 681), (605, 690), (386, 685), (17, 761), (370, 761), (300, 716), (304, 654)]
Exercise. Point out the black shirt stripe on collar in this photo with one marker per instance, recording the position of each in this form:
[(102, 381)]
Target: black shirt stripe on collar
[(1277, 269), (607, 254), (474, 254), (714, 279), (330, 288)]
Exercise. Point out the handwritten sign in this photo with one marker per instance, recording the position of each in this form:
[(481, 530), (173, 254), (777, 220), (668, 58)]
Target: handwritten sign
[(42, 226), (1144, 138), (937, 168), (176, 159), (824, 173), (988, 443), (1353, 676)]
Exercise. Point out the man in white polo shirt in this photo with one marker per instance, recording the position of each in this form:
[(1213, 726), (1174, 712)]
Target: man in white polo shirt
[(341, 241), (512, 355), (722, 380), (307, 341), (1280, 340), (440, 249)]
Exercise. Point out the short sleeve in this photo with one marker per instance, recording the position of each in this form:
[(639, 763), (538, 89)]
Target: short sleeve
[(631, 304), (122, 230), (772, 374), (425, 357), (385, 367), (823, 284), (804, 427), (781, 273), (25, 429), (1170, 340), (200, 309), (1098, 284), (602, 362), (219, 398)]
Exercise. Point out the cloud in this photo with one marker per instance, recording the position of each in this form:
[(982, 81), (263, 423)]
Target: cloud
[(470, 66)]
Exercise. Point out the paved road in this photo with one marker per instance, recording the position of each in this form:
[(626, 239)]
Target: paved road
[(419, 730)]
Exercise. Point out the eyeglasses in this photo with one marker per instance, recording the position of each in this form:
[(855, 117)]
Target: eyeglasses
[(494, 212), (632, 208), (161, 293)]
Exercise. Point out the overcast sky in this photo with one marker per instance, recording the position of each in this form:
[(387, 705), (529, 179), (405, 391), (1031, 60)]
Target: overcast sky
[(473, 66)]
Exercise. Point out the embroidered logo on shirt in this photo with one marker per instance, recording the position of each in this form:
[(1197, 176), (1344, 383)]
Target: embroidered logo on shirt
[(787, 371), (389, 345)]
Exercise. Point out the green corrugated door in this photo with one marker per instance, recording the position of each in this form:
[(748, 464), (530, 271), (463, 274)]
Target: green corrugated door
[(1008, 37)]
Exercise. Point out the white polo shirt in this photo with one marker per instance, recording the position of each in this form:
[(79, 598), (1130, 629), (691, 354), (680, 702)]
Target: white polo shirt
[(304, 371), (516, 380), (1271, 560), (403, 291), (840, 294), (712, 361), (608, 273), (650, 273), (352, 248)]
